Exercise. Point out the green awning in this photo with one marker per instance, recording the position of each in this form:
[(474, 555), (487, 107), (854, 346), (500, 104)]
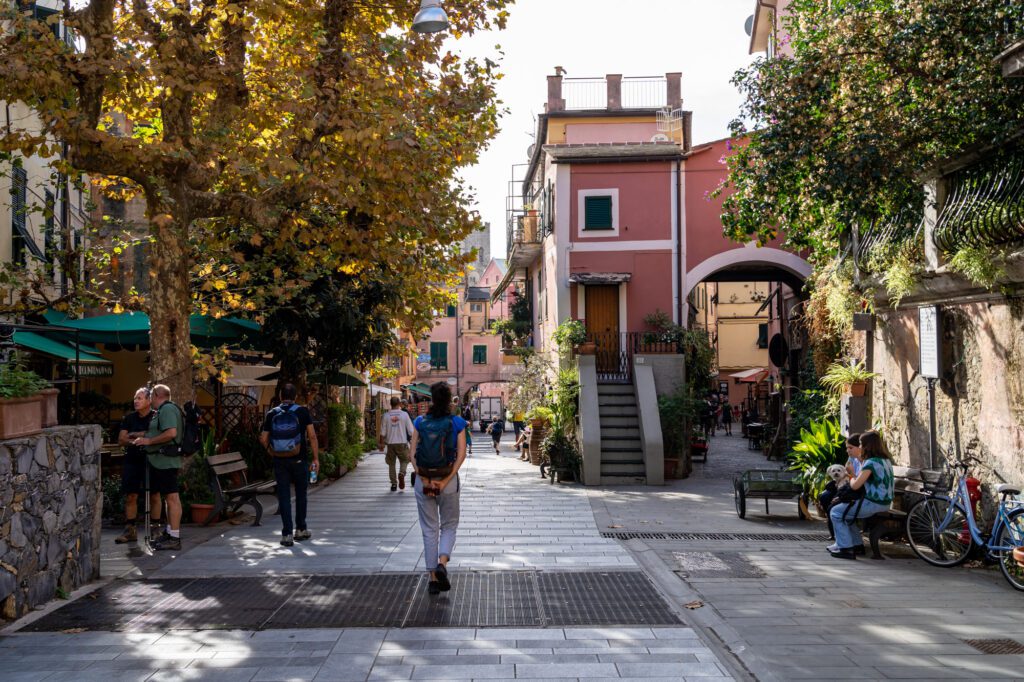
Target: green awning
[(132, 329), (58, 348), (346, 376), (419, 389)]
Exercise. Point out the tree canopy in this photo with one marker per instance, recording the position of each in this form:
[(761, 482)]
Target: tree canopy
[(321, 132), (874, 92)]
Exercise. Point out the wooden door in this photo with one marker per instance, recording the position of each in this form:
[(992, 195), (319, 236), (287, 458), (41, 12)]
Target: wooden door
[(602, 316)]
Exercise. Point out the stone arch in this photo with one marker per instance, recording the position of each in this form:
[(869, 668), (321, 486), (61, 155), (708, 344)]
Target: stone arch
[(792, 267)]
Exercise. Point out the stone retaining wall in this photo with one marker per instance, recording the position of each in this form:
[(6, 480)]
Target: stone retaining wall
[(50, 509)]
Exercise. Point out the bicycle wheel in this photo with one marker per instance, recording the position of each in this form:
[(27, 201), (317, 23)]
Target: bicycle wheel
[(1012, 535), (948, 546)]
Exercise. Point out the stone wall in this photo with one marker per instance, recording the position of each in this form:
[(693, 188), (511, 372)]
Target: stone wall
[(980, 398), (50, 508)]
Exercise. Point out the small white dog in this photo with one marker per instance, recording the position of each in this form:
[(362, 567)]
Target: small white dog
[(838, 473)]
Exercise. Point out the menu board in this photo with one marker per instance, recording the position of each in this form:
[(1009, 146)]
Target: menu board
[(928, 333)]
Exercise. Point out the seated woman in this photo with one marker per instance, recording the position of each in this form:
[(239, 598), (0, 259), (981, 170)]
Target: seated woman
[(876, 478)]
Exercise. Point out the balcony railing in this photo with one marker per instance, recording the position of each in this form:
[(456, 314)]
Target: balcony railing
[(899, 229), (985, 205), (589, 94), (615, 352)]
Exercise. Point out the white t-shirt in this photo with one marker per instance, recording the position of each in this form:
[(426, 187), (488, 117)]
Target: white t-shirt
[(397, 427)]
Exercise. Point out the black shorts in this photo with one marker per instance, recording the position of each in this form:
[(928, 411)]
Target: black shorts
[(163, 481), (133, 475), (496, 435)]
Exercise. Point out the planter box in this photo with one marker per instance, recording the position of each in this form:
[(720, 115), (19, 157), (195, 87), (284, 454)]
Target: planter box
[(200, 512), (20, 417), (49, 398)]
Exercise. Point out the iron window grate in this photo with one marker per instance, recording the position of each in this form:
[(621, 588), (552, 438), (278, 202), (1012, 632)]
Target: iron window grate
[(722, 537), (997, 646)]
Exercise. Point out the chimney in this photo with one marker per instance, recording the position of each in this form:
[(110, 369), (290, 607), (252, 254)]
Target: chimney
[(555, 101), (674, 87), (614, 82)]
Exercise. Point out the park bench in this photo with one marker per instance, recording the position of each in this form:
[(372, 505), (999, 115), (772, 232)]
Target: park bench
[(910, 483), (225, 471)]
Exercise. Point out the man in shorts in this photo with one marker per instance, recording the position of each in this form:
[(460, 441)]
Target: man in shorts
[(396, 431), (133, 471), (161, 441)]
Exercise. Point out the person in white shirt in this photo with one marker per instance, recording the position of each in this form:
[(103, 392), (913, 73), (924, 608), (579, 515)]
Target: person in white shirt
[(395, 432)]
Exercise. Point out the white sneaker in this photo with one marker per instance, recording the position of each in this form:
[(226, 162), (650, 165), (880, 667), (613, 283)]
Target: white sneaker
[(833, 548)]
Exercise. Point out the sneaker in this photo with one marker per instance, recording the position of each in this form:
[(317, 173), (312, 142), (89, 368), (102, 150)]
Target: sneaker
[(833, 548), (160, 536), (394, 487), (167, 543), (401, 482), (443, 583), (433, 587), (844, 554), (129, 535), (286, 541), (303, 534)]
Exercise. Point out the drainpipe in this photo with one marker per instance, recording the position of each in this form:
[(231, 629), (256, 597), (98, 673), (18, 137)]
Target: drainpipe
[(681, 261)]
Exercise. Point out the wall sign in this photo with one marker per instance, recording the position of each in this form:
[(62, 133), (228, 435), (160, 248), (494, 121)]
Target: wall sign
[(929, 340)]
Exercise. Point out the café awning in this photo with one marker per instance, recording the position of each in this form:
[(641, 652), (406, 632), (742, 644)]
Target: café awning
[(90, 361), (750, 376), (132, 329), (418, 389)]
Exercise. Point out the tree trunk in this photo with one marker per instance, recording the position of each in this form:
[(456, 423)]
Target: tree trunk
[(169, 305)]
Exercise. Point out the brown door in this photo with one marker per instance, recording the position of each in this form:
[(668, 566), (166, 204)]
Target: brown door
[(602, 316)]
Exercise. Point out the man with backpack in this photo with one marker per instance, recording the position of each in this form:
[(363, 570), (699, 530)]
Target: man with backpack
[(289, 437), (396, 430), (496, 428), (163, 450), (439, 444)]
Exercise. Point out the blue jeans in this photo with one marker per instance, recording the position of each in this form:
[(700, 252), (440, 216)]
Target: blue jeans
[(847, 534), (439, 519), (289, 471)]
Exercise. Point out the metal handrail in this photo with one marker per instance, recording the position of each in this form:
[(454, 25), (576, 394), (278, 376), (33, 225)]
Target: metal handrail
[(985, 205)]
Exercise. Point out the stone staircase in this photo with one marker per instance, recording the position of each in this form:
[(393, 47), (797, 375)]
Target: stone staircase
[(622, 450)]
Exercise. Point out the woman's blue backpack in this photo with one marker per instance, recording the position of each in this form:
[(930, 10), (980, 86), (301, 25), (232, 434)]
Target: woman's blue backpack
[(437, 448)]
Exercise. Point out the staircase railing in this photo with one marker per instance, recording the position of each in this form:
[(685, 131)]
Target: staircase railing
[(615, 351)]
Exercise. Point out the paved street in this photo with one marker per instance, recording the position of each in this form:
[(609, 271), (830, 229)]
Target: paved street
[(511, 519), (766, 608)]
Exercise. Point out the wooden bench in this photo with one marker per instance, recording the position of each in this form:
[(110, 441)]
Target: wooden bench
[(910, 485), (221, 467)]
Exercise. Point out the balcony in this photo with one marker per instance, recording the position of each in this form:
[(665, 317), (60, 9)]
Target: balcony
[(529, 212), (985, 204), (1012, 60)]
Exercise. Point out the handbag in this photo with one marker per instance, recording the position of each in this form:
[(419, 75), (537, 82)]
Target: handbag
[(846, 493)]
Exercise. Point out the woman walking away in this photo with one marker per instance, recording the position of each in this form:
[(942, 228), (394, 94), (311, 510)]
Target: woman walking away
[(439, 441), (876, 479)]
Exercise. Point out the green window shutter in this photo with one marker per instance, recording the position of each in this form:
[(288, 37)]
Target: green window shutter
[(19, 207), (439, 355), (450, 311), (598, 213), (479, 355)]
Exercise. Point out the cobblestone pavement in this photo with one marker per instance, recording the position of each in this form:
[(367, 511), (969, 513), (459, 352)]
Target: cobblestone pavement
[(511, 519), (789, 611)]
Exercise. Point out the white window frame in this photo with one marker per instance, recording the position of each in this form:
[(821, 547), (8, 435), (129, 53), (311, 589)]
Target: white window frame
[(581, 213)]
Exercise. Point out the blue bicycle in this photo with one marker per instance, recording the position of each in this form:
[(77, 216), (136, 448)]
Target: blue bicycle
[(942, 530)]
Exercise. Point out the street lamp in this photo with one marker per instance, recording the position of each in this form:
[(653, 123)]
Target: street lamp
[(431, 18)]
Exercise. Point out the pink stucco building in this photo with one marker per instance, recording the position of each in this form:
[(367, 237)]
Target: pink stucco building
[(460, 348)]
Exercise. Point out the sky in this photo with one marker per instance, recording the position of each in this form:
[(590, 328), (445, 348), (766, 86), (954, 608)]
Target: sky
[(704, 39)]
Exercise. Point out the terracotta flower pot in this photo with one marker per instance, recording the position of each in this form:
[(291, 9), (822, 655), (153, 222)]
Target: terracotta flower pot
[(671, 467), (200, 512), (20, 416), (587, 348), (858, 388), (1018, 556)]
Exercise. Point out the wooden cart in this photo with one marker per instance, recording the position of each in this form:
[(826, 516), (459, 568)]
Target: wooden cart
[(765, 484)]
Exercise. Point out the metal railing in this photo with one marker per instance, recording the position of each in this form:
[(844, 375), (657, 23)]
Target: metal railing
[(615, 352), (985, 205), (587, 94), (903, 227)]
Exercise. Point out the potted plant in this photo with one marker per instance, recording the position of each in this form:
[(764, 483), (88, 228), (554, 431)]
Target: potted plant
[(852, 377), (21, 406), (818, 449), (570, 335), (195, 481)]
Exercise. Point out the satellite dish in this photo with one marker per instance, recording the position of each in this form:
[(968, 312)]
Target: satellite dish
[(530, 150), (778, 351), (660, 137), (748, 25)]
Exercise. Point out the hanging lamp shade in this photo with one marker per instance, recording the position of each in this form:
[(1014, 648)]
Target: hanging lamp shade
[(431, 18)]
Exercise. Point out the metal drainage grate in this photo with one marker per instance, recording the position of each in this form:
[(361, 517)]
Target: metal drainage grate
[(997, 646), (759, 537), (491, 599)]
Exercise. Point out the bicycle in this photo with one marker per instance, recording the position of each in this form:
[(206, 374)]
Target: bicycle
[(943, 531)]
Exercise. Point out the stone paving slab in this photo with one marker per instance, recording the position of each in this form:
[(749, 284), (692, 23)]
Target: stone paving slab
[(414, 653)]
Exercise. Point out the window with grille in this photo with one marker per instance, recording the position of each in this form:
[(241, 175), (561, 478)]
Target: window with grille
[(476, 307), (19, 208), (49, 235), (479, 355), (762, 336)]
